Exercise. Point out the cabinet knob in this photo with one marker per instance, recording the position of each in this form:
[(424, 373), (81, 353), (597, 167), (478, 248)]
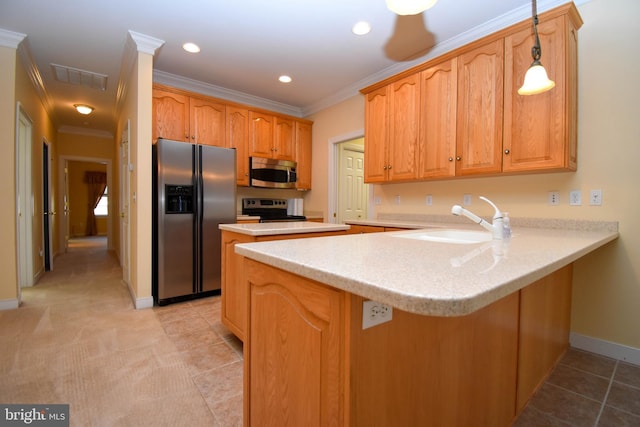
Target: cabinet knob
[(507, 151), (384, 168), (193, 137), (458, 158), (389, 167), (451, 159)]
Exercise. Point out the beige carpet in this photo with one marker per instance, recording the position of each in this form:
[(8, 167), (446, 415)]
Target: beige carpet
[(77, 339)]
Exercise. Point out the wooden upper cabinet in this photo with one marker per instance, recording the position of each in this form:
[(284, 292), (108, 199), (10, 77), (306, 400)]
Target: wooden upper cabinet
[(392, 131), (376, 135), (480, 101), (303, 155), (237, 136), (284, 139), (207, 122), (537, 133), (170, 112), (261, 134), (437, 146), (404, 125)]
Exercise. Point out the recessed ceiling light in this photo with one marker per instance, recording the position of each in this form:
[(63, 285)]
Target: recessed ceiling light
[(83, 108), (361, 28), (284, 79), (191, 47)]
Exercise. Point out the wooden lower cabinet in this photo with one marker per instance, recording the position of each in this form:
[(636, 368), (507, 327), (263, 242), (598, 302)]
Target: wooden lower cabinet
[(309, 362), (296, 374), (234, 288)]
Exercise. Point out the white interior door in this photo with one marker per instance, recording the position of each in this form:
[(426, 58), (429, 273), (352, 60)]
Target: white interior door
[(124, 206), (24, 202), (353, 194)]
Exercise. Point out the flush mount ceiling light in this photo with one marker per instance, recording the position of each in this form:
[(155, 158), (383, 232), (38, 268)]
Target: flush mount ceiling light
[(191, 47), (361, 28), (536, 80), (285, 79), (409, 7), (83, 108)]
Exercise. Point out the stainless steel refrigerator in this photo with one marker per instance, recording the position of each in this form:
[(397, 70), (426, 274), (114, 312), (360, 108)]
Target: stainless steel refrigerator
[(194, 191)]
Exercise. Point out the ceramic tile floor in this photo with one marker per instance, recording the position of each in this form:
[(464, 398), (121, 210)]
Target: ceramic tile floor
[(586, 389), (77, 339)]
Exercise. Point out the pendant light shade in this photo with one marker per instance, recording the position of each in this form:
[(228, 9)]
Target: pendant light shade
[(536, 79), (409, 7)]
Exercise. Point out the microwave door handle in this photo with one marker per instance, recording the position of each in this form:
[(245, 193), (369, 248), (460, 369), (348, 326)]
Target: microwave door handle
[(288, 175)]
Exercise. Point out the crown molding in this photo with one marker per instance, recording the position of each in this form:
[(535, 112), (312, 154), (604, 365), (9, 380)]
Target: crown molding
[(11, 38), (145, 43), (224, 93)]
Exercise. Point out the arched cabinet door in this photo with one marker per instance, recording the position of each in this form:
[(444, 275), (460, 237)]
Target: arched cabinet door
[(293, 359)]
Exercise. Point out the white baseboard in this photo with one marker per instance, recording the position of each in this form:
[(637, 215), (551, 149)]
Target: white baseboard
[(142, 303), (9, 304), (605, 348), (139, 303)]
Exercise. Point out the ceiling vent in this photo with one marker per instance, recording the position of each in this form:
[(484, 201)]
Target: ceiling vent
[(76, 76)]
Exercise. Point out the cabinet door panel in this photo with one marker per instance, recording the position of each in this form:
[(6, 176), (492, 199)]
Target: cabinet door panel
[(293, 358), (404, 125), (237, 136), (284, 147), (261, 127), (480, 100), (170, 116), (376, 135), (303, 155), (535, 135), (438, 120), (207, 122)]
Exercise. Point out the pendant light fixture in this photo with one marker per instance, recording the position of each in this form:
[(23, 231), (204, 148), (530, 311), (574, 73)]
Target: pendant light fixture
[(536, 79), (409, 7)]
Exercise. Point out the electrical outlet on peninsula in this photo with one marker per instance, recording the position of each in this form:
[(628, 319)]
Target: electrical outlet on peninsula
[(375, 313)]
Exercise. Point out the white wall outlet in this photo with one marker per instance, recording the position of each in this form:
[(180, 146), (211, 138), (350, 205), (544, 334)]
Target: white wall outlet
[(595, 198), (375, 313), (575, 198), (377, 200), (554, 198), (429, 200), (466, 200), (397, 199)]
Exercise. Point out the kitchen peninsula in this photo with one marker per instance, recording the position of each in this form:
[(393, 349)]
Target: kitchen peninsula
[(234, 290), (475, 328)]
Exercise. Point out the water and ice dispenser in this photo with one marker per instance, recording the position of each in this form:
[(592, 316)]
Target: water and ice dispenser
[(179, 199)]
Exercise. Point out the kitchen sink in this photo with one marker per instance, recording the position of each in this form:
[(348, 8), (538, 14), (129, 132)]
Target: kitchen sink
[(447, 236)]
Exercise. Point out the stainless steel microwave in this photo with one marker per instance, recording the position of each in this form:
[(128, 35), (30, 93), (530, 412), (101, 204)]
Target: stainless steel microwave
[(272, 173)]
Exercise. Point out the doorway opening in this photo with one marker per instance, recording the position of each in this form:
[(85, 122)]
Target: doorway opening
[(349, 197)]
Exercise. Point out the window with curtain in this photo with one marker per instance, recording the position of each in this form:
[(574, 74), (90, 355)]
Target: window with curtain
[(102, 208), (96, 186)]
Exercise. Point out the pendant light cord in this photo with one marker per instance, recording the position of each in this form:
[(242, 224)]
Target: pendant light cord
[(536, 51)]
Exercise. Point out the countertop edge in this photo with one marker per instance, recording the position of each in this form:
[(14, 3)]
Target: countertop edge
[(422, 304)]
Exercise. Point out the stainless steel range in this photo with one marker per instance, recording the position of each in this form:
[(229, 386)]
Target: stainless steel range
[(269, 210)]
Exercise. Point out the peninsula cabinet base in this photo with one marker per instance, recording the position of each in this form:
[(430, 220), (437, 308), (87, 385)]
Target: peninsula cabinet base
[(308, 362)]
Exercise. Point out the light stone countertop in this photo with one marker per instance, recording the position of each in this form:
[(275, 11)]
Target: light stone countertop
[(438, 279), (276, 228)]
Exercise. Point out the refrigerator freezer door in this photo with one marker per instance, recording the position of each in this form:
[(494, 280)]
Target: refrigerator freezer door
[(218, 207), (175, 237)]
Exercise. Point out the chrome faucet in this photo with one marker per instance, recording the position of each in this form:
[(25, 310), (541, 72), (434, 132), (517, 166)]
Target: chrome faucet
[(496, 228)]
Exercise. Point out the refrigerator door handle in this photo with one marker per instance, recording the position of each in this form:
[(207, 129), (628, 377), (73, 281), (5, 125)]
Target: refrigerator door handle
[(199, 218)]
